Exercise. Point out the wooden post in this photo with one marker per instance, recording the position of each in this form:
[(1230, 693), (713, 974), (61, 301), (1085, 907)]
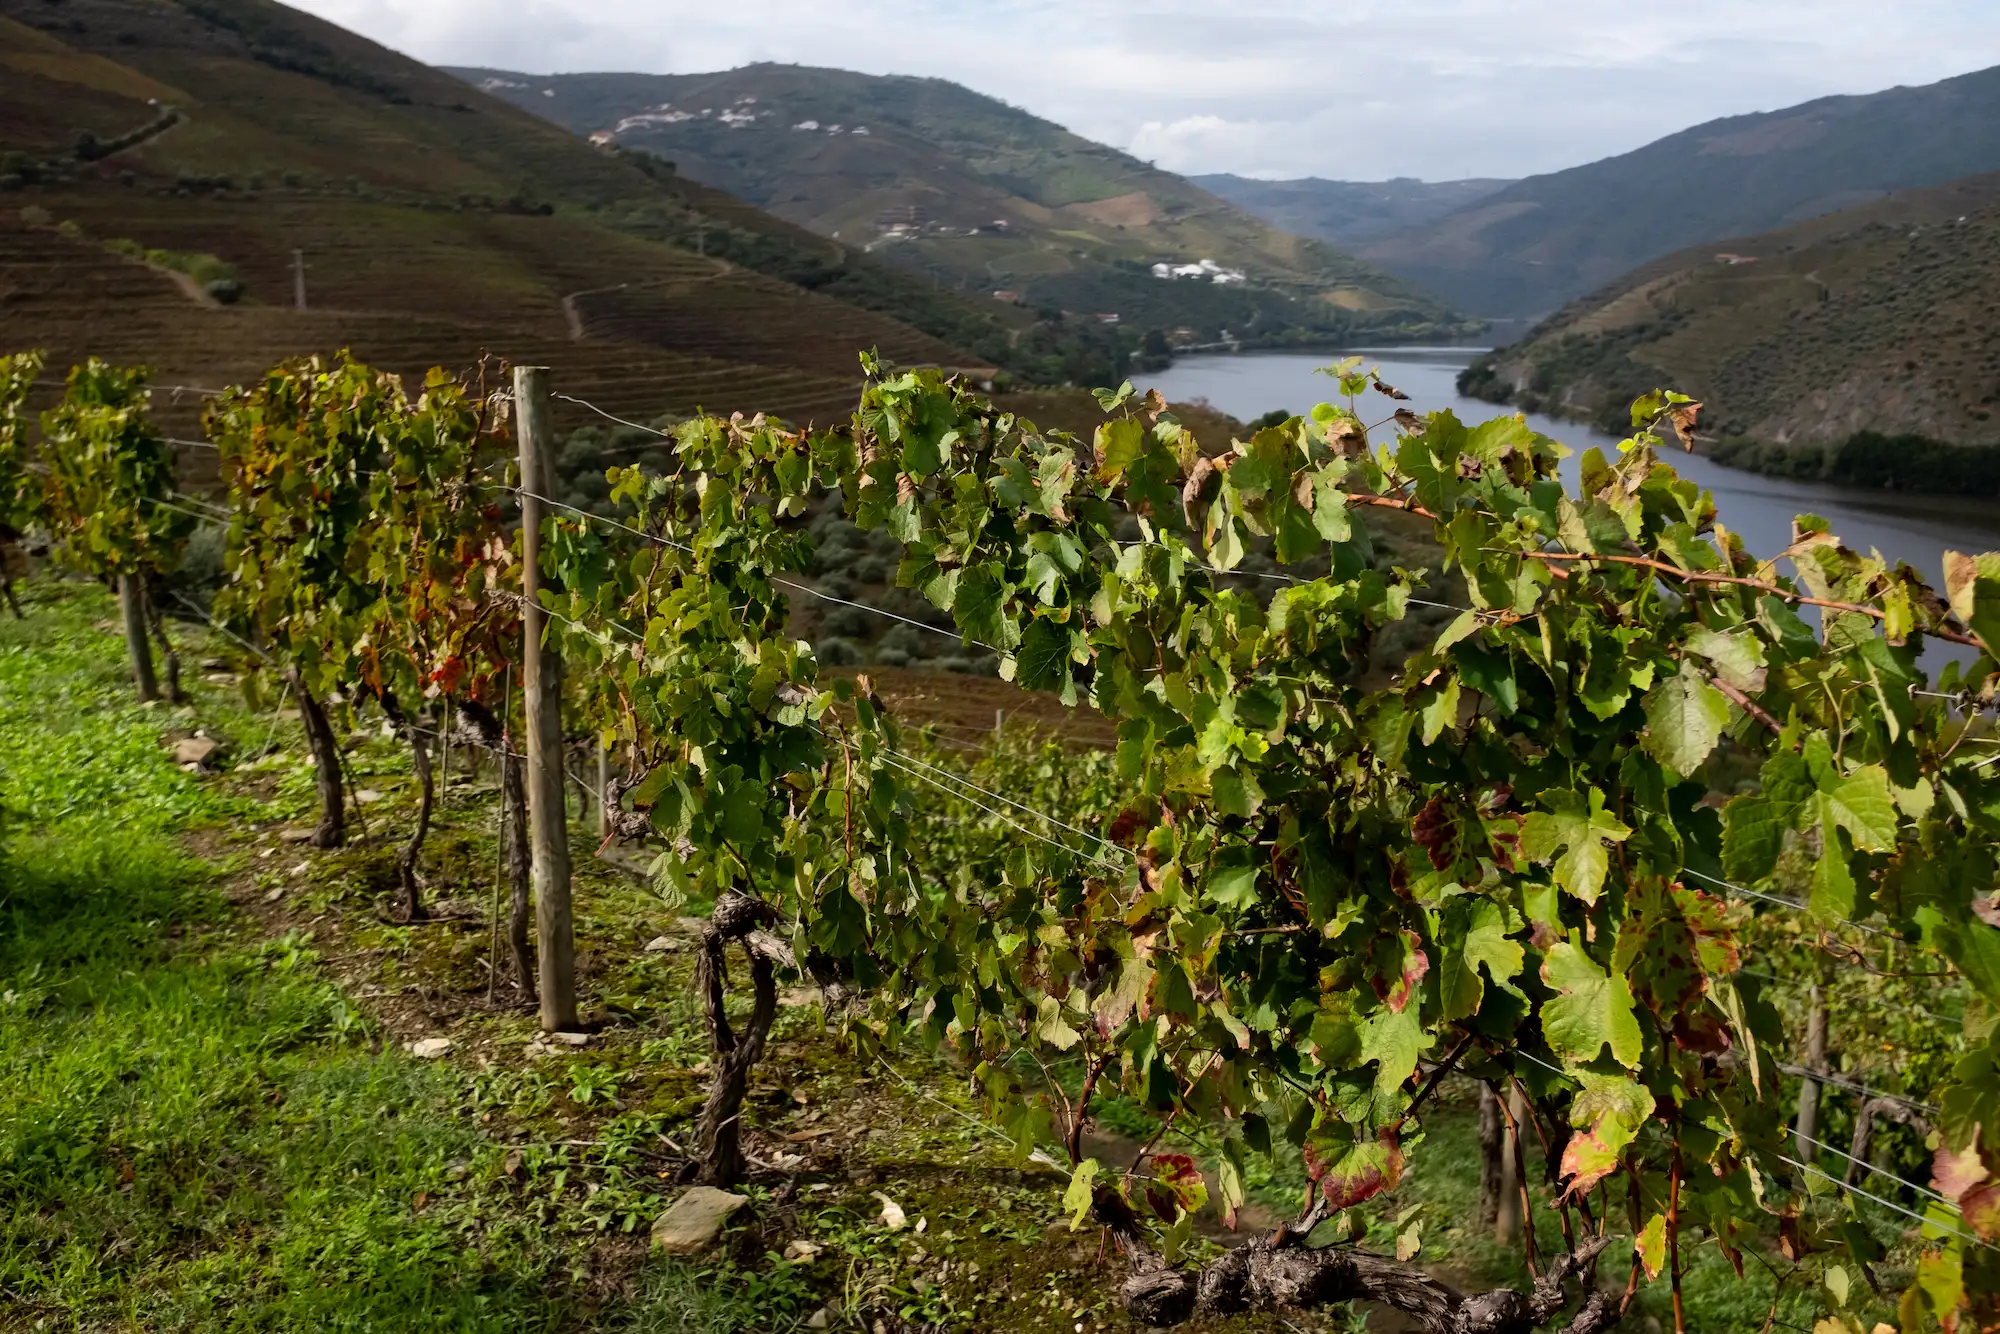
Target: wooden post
[(1507, 1225), (299, 279), (541, 689), (1809, 1091), (132, 601), (603, 786)]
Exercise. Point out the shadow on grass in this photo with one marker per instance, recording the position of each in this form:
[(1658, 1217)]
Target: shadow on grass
[(197, 1135)]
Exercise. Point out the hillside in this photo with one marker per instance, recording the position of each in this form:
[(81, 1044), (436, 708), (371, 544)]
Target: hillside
[(982, 197), (1347, 213), (1525, 250), (1877, 319), (161, 163)]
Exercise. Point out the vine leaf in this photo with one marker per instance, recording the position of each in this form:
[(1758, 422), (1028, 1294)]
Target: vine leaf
[(1592, 1009), (1685, 716), (1584, 828), (1608, 1114), (1350, 1167), (1651, 1245), (1477, 931), (1078, 1197), (1862, 804)]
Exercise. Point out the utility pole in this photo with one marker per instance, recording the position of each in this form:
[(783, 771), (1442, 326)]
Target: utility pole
[(541, 682), (299, 279)]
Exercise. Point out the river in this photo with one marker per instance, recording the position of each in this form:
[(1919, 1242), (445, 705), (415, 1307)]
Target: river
[(1917, 529)]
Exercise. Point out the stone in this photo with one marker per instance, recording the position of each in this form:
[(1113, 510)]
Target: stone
[(294, 834), (571, 1039), (277, 892), (367, 796), (694, 926), (665, 945), (798, 1248), (822, 1318), (430, 1048), (695, 1220), (793, 998), (893, 1216)]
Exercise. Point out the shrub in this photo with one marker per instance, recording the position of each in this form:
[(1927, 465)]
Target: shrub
[(838, 653)]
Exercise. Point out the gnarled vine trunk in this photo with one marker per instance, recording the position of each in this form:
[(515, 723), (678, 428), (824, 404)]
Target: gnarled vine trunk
[(420, 763), (132, 602), (158, 625), (1280, 1272), (332, 831), (719, 1157), (406, 864)]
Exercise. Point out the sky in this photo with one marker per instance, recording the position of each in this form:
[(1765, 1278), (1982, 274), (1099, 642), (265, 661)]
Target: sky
[(1368, 89)]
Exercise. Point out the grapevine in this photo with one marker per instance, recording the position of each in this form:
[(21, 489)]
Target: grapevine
[(1548, 856)]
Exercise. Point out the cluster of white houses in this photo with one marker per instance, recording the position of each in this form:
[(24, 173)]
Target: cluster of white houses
[(1206, 268)]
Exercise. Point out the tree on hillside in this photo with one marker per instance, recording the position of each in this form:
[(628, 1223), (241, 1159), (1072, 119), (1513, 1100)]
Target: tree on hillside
[(107, 499)]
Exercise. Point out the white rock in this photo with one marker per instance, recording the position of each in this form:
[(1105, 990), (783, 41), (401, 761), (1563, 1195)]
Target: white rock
[(295, 835), (665, 945), (893, 1216), (571, 1039), (430, 1048), (196, 750), (277, 892), (798, 1248), (695, 1220), (822, 1318), (368, 796)]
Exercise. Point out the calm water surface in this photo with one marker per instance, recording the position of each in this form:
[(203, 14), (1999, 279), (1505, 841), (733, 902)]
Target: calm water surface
[(1917, 529)]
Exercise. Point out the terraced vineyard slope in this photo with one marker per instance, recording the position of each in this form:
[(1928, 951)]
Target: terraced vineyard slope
[(162, 166), (987, 198), (1872, 322)]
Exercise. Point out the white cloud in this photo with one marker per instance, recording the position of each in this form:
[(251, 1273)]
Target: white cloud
[(1432, 88)]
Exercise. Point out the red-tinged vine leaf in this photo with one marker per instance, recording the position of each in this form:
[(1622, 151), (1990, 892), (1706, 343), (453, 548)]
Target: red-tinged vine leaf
[(1791, 1242), (1349, 1170), (1178, 1173), (1651, 1245), (1980, 1208), (1954, 1172), (1130, 827), (1608, 1114), (1403, 965), (1672, 941), (1435, 832), (1164, 1205)]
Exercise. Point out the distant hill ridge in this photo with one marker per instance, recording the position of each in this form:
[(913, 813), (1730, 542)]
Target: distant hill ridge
[(1347, 213), (1525, 250), (985, 198), (1874, 321)]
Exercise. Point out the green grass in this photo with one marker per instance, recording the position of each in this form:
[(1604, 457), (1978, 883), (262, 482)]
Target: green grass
[(199, 1133)]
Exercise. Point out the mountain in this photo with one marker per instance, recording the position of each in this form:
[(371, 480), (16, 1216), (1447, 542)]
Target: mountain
[(161, 163), (1523, 251), (983, 197), (1346, 213), (1807, 344)]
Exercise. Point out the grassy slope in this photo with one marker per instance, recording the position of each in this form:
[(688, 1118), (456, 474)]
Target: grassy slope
[(418, 200), (1085, 221), (1873, 319), (1347, 213), (1541, 242)]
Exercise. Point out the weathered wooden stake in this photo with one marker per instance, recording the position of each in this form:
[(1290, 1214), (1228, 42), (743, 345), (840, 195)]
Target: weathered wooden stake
[(541, 689), (1809, 1090)]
